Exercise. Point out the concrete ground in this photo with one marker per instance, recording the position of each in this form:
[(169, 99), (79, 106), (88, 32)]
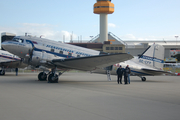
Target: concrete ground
[(84, 96)]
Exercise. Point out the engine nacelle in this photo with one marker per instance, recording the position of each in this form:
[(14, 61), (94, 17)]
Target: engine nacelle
[(35, 60), (38, 58)]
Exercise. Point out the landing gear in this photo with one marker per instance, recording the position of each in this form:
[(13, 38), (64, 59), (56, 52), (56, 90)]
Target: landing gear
[(143, 78), (2, 72), (42, 76), (53, 78)]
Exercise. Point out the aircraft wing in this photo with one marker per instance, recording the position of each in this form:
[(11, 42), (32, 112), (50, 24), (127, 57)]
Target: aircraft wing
[(157, 72), (6, 63), (12, 64), (91, 62)]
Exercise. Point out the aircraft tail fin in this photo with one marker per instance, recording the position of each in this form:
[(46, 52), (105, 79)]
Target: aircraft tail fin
[(153, 56)]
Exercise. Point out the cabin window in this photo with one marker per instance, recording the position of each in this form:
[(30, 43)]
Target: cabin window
[(69, 54), (52, 50), (61, 52), (78, 55), (116, 48)]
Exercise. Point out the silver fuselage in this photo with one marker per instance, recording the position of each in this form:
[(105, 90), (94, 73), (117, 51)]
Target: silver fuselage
[(37, 51), (40, 49)]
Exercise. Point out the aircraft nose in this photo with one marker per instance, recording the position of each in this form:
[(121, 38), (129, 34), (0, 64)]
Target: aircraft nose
[(5, 45)]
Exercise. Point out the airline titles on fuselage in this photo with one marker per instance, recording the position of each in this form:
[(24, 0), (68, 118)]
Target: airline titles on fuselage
[(67, 50), (151, 59)]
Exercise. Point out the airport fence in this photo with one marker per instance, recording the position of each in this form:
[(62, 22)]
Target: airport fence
[(173, 67)]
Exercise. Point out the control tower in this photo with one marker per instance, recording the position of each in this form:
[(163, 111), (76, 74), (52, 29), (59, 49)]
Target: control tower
[(103, 7)]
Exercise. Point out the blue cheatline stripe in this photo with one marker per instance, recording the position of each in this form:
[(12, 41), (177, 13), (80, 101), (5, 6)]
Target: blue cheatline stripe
[(152, 59), (30, 43), (54, 53), (139, 72), (7, 57)]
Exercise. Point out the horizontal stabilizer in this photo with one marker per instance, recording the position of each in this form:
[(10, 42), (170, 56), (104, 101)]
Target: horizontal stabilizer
[(157, 72), (91, 62)]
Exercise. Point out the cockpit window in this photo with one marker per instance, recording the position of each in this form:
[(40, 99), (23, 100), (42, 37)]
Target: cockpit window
[(18, 40), (28, 42)]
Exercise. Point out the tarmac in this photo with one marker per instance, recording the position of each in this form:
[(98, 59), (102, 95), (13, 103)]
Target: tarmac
[(85, 96)]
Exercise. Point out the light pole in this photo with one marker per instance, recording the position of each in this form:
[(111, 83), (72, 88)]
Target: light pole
[(176, 36)]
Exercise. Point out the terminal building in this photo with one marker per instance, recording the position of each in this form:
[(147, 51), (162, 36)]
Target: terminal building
[(113, 45), (133, 47)]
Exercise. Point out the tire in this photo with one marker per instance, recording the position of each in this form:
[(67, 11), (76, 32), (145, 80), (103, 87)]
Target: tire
[(51, 78), (143, 79), (41, 78), (2, 72)]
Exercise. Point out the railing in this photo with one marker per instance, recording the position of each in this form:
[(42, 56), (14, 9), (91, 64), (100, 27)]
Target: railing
[(117, 38)]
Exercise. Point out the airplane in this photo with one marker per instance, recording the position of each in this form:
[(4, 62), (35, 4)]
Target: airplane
[(44, 53), (149, 63), (8, 60)]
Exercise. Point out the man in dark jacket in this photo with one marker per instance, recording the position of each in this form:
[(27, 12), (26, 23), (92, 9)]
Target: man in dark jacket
[(119, 74)]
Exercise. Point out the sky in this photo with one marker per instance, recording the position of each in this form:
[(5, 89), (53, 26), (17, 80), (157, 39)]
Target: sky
[(53, 19)]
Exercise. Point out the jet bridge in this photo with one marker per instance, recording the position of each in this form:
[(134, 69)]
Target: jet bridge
[(6, 36)]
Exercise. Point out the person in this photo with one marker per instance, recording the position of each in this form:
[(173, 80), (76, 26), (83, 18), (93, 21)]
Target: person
[(128, 70), (125, 76), (119, 72), (16, 71)]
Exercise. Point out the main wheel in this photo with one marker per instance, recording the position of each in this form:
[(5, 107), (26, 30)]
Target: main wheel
[(143, 78), (52, 78), (2, 72), (42, 76)]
